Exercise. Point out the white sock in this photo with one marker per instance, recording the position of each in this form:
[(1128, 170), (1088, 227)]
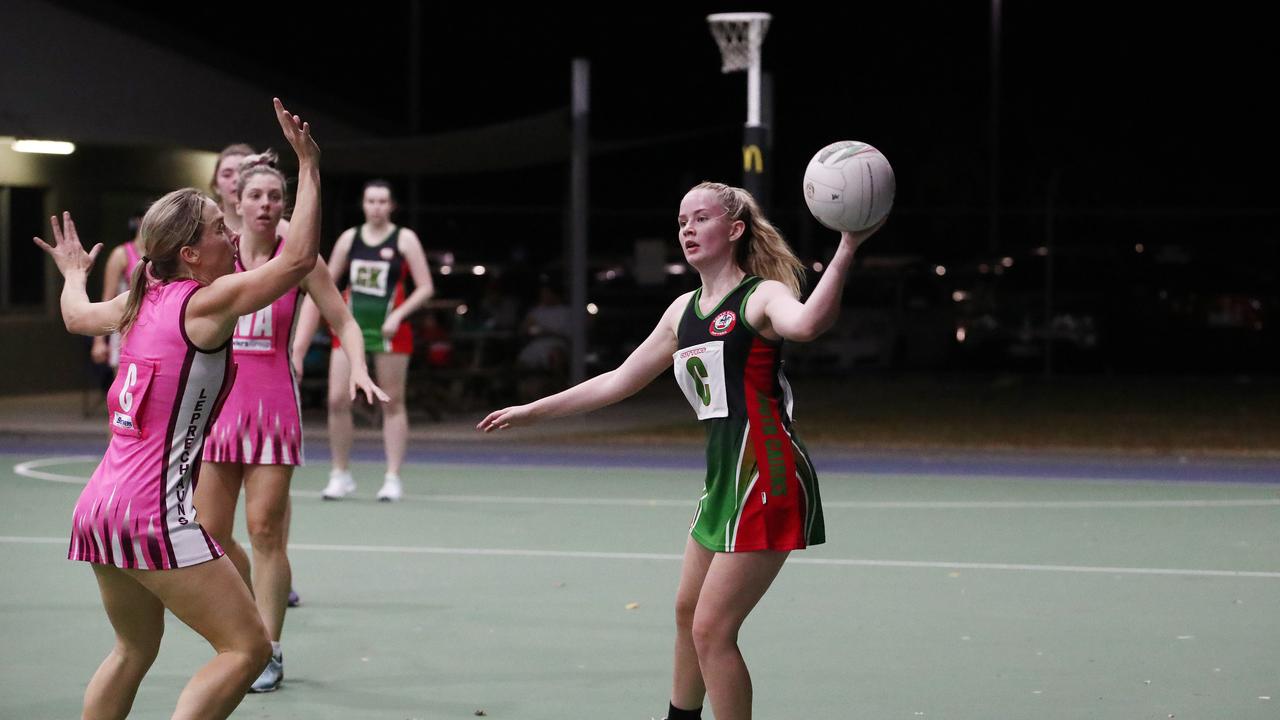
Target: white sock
[(275, 648)]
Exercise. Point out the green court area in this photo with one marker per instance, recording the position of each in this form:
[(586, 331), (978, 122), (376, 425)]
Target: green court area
[(546, 592)]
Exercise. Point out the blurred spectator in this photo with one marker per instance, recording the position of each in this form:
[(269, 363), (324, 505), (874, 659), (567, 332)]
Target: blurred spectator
[(543, 361), (547, 327), (498, 310)]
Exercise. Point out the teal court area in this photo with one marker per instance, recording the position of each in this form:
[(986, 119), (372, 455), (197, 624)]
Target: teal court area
[(543, 589)]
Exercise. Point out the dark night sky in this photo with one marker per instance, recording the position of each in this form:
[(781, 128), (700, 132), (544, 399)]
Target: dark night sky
[(1143, 126), (1155, 108), (1139, 111)]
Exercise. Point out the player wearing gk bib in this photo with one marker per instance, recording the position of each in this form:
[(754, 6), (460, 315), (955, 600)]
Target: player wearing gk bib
[(375, 288), (135, 521), (761, 495), (377, 259), (761, 492)]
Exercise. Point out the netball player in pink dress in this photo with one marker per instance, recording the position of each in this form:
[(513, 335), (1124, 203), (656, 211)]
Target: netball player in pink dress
[(135, 521), (257, 439), (226, 176)]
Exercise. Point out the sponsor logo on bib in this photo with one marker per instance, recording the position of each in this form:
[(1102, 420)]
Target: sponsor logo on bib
[(724, 323), (254, 332), (370, 277)]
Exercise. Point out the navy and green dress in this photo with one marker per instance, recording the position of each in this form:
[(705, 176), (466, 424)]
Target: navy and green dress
[(761, 490), (376, 285)]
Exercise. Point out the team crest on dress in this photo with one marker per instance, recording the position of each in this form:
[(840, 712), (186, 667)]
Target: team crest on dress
[(724, 323), (387, 253)]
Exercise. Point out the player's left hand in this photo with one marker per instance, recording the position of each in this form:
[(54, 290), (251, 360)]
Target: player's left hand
[(505, 418), (361, 382), (68, 254), (854, 240), (391, 326)]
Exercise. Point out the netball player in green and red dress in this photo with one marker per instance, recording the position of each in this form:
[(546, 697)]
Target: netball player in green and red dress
[(761, 498)]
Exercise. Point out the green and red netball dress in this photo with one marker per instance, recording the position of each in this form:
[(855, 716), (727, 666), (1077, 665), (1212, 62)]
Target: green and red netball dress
[(376, 286), (761, 490)]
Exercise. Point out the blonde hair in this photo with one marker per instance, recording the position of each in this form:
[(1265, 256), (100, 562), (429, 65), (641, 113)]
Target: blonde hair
[(762, 250), (171, 223), (259, 164)]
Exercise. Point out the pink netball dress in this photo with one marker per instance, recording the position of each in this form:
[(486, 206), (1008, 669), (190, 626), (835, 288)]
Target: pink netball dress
[(136, 511), (261, 423)]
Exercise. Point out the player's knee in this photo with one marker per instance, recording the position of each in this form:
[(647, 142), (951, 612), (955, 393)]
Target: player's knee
[(139, 652), (267, 533), (711, 633), (262, 651), (253, 648)]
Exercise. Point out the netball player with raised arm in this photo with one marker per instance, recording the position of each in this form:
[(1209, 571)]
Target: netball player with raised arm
[(257, 440), (135, 522), (226, 175), (760, 500)]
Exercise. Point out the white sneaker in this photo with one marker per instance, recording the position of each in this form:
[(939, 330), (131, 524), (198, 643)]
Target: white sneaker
[(391, 490), (272, 675), (340, 485)]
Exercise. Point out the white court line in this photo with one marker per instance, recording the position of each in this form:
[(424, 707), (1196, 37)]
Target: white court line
[(925, 472), (29, 469), (847, 562), (516, 500), (1058, 504), (887, 475), (865, 505)]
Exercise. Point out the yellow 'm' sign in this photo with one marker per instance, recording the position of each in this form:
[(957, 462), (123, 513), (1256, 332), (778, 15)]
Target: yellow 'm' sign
[(752, 159)]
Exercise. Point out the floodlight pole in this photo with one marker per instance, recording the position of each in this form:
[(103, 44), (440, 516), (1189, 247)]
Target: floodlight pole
[(756, 158), (415, 106), (993, 130), (578, 220)]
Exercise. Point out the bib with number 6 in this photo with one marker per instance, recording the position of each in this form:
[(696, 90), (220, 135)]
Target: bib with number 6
[(700, 374), (127, 395)]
